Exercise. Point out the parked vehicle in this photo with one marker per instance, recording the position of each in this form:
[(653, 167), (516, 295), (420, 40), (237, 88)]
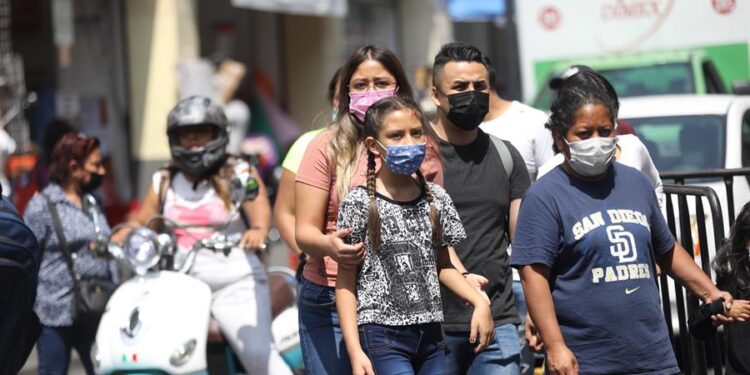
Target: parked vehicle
[(686, 133), (646, 74)]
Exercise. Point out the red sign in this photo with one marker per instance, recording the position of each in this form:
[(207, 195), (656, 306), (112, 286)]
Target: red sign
[(622, 9), (724, 7), (550, 17)]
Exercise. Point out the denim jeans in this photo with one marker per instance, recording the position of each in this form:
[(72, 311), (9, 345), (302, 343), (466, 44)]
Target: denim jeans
[(54, 344), (527, 355), (404, 350), (503, 356), (323, 348)]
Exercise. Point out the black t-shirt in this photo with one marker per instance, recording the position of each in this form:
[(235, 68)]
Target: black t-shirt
[(481, 191)]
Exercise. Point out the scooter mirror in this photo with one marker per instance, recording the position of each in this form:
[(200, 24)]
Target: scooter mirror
[(166, 244), (251, 189), (244, 192), (92, 207)]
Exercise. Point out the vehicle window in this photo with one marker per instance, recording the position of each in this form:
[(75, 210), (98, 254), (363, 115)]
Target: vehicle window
[(714, 84), (676, 78), (683, 143)]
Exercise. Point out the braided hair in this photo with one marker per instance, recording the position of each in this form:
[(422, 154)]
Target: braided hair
[(437, 229), (373, 217), (373, 119), (582, 88)]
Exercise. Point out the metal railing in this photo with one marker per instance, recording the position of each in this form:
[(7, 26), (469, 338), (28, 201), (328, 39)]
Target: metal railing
[(726, 174), (694, 356)]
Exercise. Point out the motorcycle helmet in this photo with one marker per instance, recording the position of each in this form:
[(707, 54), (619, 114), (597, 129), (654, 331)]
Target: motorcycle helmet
[(198, 111)]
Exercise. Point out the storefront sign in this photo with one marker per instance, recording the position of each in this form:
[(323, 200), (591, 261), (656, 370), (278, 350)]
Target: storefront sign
[(331, 8)]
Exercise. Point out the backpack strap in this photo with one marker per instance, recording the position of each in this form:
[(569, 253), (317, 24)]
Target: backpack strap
[(57, 225), (164, 182), (504, 152)]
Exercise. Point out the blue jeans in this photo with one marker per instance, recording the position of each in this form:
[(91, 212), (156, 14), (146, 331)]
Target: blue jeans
[(54, 344), (323, 348), (502, 356), (405, 350), (527, 355)]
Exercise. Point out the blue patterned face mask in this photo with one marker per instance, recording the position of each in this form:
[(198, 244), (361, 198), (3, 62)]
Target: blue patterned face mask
[(404, 159)]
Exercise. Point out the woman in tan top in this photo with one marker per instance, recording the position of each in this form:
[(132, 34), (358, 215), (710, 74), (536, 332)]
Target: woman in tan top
[(334, 162)]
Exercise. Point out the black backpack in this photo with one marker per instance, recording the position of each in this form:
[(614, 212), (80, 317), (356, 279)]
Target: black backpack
[(20, 257)]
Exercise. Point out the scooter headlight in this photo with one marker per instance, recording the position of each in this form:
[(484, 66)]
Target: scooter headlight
[(183, 353), (142, 249)]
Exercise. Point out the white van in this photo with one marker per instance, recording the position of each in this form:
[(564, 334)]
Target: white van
[(688, 133)]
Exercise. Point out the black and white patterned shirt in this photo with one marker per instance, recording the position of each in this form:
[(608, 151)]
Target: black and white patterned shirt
[(55, 289), (397, 284)]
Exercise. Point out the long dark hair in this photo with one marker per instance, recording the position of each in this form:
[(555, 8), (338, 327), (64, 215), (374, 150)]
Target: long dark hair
[(386, 58), (584, 87), (347, 131), (732, 260), (373, 119)]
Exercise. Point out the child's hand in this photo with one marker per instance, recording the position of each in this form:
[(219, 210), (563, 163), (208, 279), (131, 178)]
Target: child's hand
[(361, 364), (532, 336), (720, 319), (478, 282), (740, 310), (342, 253), (481, 326)]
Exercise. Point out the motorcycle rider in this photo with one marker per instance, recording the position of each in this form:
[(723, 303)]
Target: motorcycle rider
[(193, 191)]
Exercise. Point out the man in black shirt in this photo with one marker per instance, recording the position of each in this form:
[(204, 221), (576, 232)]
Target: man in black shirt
[(487, 197)]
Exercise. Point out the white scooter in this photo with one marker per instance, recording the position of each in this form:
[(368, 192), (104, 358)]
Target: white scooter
[(159, 321)]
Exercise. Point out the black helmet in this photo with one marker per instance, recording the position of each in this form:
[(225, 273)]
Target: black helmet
[(198, 111)]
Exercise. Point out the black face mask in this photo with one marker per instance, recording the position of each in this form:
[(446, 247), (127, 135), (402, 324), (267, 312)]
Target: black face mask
[(467, 109), (94, 182)]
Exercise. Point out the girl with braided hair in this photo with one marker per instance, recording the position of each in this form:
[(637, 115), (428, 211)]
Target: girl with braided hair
[(334, 162), (389, 307)]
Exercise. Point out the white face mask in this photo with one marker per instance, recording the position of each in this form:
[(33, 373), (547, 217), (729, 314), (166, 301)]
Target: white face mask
[(591, 157)]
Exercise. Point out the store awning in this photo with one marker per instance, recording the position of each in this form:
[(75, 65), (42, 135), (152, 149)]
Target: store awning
[(326, 8)]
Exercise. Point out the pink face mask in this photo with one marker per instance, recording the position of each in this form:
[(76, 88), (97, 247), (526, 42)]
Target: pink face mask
[(359, 102)]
